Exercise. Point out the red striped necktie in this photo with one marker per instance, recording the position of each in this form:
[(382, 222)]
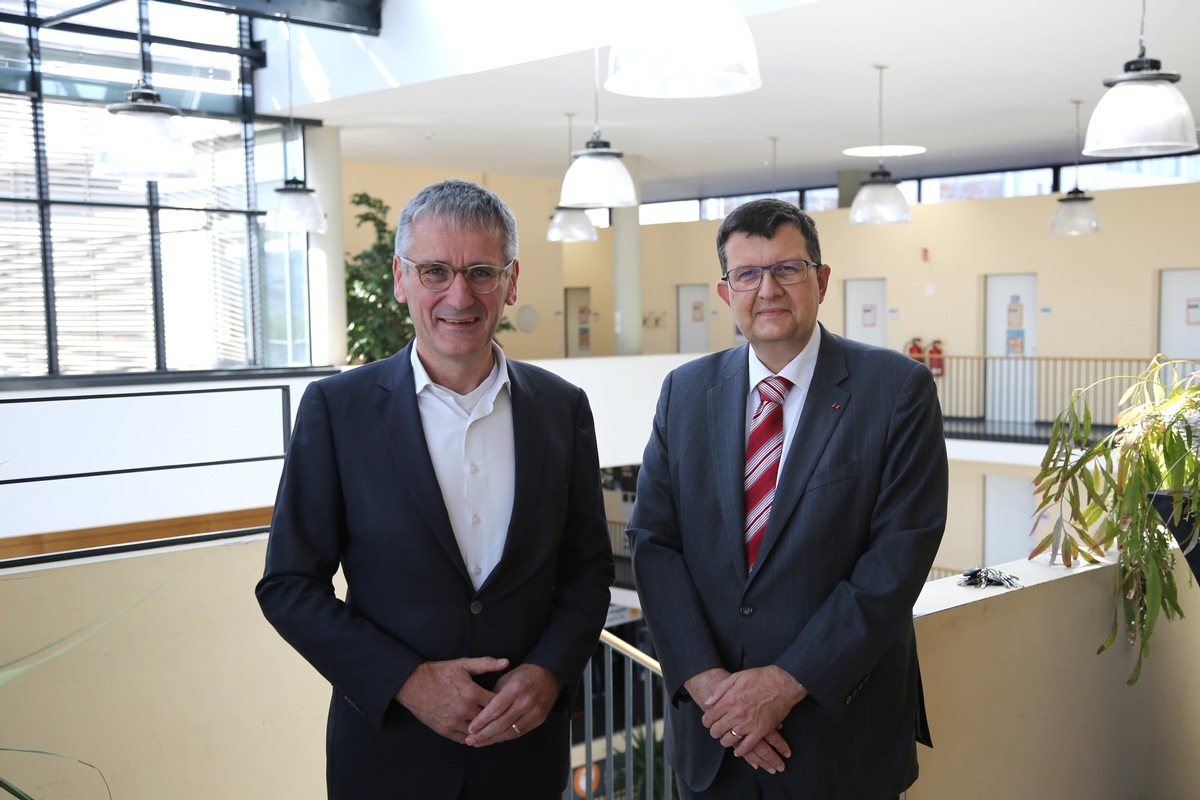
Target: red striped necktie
[(762, 460)]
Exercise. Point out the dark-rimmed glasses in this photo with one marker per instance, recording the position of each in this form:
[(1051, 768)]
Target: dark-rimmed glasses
[(747, 279), (438, 277)]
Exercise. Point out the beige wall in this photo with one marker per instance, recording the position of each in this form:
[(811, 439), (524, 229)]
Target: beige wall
[(1114, 273)]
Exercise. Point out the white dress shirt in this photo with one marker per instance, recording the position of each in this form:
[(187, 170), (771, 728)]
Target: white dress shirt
[(470, 439), (799, 371)]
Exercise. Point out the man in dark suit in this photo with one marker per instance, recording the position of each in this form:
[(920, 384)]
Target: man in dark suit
[(785, 632), (459, 493)]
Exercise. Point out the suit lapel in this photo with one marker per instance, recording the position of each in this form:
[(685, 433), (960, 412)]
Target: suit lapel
[(400, 420), (727, 421), (529, 441), (823, 409)]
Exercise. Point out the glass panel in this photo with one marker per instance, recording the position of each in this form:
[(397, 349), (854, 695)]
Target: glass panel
[(673, 211), (194, 25), (719, 207), (824, 199), (102, 289), (285, 299), (1014, 183), (14, 57), (206, 290), (22, 293), (221, 168), (18, 172), (1134, 174), (72, 130)]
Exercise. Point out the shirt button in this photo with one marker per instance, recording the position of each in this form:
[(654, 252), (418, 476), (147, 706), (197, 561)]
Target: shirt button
[(474, 469), (746, 610), (475, 519), (476, 607), (478, 570)]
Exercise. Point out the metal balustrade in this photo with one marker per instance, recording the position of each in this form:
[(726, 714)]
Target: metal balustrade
[(607, 762)]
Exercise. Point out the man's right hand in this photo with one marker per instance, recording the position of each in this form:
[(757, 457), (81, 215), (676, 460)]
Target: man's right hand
[(443, 696)]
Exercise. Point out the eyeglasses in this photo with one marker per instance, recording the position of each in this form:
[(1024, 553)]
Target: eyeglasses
[(747, 279), (438, 277)]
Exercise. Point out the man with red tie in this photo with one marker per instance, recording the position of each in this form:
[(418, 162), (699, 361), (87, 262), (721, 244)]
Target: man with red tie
[(791, 501)]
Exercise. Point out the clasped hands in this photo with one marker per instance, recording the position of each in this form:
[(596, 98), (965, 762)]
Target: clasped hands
[(444, 696), (745, 710)]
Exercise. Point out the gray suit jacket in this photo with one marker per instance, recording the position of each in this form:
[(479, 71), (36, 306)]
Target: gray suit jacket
[(359, 492), (857, 518)]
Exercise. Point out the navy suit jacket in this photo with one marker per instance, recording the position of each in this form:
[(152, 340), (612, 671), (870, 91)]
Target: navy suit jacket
[(359, 492), (857, 518)]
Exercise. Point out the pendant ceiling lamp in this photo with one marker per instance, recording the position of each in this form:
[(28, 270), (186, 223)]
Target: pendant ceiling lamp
[(1143, 113), (1075, 216), (685, 48), (143, 139), (296, 208), (570, 224), (879, 200), (597, 178)]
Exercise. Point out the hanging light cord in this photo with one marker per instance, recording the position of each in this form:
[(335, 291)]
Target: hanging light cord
[(1142, 33), (1078, 145), (287, 23), (596, 70)]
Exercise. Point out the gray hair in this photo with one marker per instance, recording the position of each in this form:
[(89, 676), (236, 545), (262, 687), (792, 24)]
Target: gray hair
[(463, 205)]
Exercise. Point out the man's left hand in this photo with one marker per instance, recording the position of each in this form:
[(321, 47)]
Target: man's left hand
[(523, 698), (752, 702)]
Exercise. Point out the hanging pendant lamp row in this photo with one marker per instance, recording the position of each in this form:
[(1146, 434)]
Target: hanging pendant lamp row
[(296, 208), (879, 200), (597, 178), (570, 224), (1075, 215), (1143, 113), (143, 139)]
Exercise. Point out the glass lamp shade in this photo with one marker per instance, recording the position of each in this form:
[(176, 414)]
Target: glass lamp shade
[(143, 140), (571, 225), (879, 201), (1076, 216), (685, 48), (597, 179), (1142, 114), (295, 209)]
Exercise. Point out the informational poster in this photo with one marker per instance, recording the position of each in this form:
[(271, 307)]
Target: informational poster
[(697, 311), (585, 342), (1016, 312), (585, 315), (1015, 335), (1193, 311), (870, 316)]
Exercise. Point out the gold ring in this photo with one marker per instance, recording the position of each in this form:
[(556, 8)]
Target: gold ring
[(735, 733), (516, 730)]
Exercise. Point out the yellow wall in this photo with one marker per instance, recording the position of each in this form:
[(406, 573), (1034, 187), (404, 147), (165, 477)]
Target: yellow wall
[(1101, 291)]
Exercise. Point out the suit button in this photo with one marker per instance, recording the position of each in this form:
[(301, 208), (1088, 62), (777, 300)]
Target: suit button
[(476, 607), (746, 610)]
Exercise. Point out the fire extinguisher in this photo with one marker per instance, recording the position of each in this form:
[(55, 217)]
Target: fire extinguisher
[(914, 349), (937, 364)]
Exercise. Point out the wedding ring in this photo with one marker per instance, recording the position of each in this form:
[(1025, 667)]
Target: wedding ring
[(735, 734), (516, 730)]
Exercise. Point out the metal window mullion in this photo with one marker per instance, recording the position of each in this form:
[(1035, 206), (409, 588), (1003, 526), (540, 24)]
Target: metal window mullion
[(156, 279), (42, 173), (253, 250)]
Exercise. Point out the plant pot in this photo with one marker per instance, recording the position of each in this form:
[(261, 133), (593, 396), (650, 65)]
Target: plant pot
[(1181, 530)]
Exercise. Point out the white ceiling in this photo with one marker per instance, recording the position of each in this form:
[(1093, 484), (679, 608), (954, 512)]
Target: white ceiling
[(982, 85)]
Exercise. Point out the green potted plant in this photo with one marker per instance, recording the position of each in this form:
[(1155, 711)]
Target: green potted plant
[(1131, 489)]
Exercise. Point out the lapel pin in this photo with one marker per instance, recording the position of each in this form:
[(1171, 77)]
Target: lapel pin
[(836, 406)]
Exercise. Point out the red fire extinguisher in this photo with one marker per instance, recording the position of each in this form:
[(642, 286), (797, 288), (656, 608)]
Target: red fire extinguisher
[(937, 364), (914, 349)]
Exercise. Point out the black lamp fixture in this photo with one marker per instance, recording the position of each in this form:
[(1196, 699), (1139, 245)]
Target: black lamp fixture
[(1075, 216), (296, 208), (1143, 113), (597, 178), (143, 139), (879, 200)]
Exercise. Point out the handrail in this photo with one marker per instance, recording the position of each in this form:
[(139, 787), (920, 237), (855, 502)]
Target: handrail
[(629, 651)]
